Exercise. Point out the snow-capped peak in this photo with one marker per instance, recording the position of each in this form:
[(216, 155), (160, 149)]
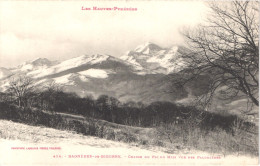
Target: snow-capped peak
[(147, 48), (156, 59), (41, 62), (35, 64)]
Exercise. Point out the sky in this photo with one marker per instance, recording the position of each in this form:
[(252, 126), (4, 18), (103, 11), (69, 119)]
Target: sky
[(59, 30)]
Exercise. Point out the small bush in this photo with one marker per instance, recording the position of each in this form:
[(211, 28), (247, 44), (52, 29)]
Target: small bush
[(110, 134), (144, 142)]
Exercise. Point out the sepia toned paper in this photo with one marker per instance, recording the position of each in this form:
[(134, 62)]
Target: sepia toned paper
[(127, 50)]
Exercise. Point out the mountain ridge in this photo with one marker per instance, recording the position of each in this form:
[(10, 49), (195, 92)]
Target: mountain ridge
[(100, 74)]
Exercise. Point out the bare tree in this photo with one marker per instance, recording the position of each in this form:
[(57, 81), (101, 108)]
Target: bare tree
[(226, 48), (21, 87)]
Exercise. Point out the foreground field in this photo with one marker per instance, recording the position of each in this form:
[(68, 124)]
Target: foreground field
[(31, 145)]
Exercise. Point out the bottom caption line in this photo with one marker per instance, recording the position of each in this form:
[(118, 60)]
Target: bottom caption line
[(76, 156)]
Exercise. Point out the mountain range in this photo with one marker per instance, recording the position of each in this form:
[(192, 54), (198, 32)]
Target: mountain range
[(138, 75), (145, 74)]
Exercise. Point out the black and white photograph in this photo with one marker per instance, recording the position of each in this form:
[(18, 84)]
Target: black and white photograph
[(129, 82)]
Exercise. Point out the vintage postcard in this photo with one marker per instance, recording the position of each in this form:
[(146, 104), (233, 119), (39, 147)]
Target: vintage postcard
[(129, 82)]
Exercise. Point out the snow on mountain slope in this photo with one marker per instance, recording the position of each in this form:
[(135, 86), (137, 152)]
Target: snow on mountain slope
[(83, 78), (34, 64), (169, 59), (96, 73), (40, 82), (26, 67), (85, 59), (155, 59), (40, 72), (73, 78), (132, 60), (4, 86), (4, 72), (41, 62), (65, 80), (68, 64)]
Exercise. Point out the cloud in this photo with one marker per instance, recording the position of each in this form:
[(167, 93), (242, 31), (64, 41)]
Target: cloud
[(61, 30)]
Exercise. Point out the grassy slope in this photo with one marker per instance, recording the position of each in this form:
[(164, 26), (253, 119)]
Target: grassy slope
[(16, 134)]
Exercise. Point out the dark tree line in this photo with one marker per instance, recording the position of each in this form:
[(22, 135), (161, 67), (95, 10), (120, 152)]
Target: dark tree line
[(112, 110)]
